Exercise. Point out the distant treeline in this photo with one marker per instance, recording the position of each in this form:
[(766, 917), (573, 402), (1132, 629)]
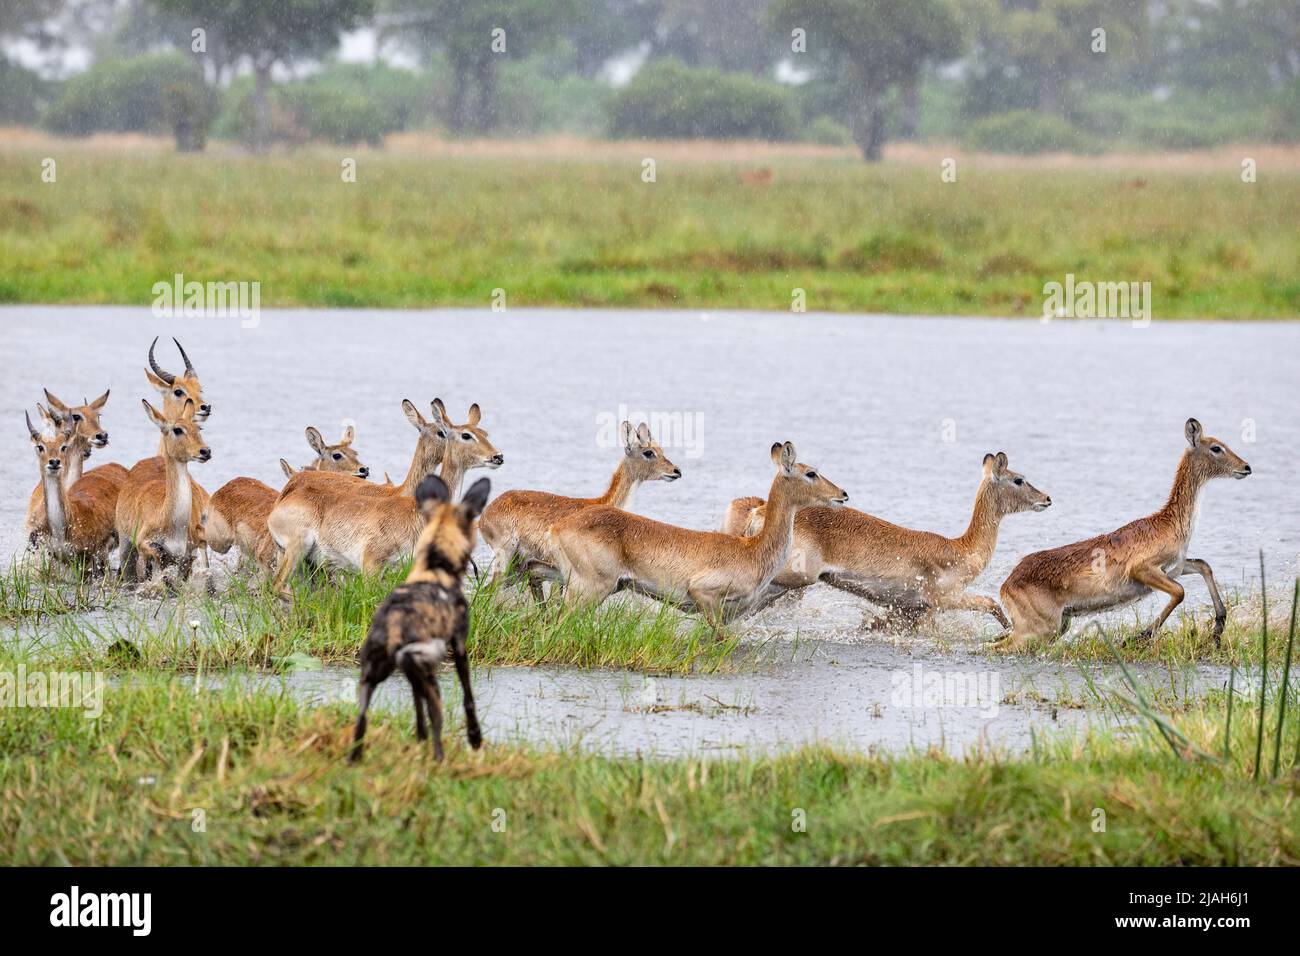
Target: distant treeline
[(1007, 75)]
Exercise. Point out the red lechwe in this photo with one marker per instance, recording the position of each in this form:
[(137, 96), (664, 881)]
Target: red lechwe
[(515, 525), (87, 434), (600, 550), (1046, 588), (913, 574)]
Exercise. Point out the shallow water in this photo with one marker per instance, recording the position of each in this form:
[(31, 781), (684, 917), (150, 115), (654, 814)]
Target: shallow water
[(899, 411), (872, 698)]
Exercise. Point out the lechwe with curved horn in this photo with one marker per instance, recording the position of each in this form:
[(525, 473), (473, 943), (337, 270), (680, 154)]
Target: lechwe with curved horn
[(159, 520), (80, 516), (599, 550), (1046, 588), (340, 521), (515, 524), (238, 511), (912, 574)]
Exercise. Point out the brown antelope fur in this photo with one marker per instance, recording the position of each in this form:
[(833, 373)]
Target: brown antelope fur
[(427, 615), (599, 550), (1046, 588), (80, 518), (341, 521), (341, 458), (912, 573), (515, 525), (159, 520), (87, 434), (238, 511)]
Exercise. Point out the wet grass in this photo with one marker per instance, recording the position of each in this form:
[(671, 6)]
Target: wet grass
[(247, 625), (171, 775), (446, 231)]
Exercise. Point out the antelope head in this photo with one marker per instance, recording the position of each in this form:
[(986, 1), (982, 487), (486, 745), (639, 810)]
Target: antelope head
[(1011, 492), (182, 438), (341, 458), (1210, 456), (82, 419), (177, 389), (645, 459), (802, 485)]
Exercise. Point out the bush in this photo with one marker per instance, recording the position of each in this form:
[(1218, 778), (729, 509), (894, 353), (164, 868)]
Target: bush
[(142, 94), (1027, 132), (673, 101), (22, 93), (827, 132)]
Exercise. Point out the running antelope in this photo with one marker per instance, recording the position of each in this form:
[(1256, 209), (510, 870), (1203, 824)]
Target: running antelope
[(87, 433), (80, 516), (515, 524), (340, 521), (238, 511), (427, 616), (338, 458), (600, 550), (1046, 588), (912, 573), (159, 520)]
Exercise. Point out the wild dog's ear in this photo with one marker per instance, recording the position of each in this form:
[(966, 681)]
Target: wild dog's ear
[(99, 403), (643, 434), (788, 458), (1192, 430), (155, 416), (475, 413), (432, 491), (55, 404), (413, 414), (288, 469), (475, 500), (316, 441), (626, 433), (349, 435)]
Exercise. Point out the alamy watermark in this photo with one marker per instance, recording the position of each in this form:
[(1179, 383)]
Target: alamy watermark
[(219, 300), (79, 689), (673, 430), (971, 690), (1097, 300)]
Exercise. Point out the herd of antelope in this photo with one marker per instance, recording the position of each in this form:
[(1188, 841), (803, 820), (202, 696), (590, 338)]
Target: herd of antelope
[(328, 513)]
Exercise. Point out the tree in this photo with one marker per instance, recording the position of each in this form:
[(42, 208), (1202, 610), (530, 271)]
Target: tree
[(268, 32), (873, 46), (1048, 45), (476, 37)]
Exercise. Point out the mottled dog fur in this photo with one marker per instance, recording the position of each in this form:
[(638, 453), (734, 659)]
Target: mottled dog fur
[(427, 615)]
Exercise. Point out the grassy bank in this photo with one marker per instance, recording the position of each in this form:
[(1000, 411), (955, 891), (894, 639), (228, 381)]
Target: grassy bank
[(570, 231), (168, 776)]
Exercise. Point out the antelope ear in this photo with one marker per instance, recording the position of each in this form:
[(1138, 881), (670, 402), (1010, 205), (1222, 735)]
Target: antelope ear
[(99, 403), (349, 435), (316, 441), (154, 415), (626, 433), (432, 491), (53, 417), (1192, 430), (788, 459), (155, 381), (55, 404), (1000, 463), (776, 453), (475, 500), (288, 469), (643, 434), (187, 411), (990, 463), (413, 414), (475, 413), (439, 411)]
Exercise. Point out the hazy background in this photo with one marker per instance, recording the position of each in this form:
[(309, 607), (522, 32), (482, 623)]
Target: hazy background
[(996, 75)]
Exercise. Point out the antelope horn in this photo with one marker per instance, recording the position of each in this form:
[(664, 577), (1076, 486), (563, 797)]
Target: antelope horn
[(30, 428), (167, 377), (189, 366)]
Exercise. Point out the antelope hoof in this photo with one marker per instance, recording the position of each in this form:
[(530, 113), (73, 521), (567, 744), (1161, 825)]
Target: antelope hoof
[(1145, 635), (1006, 645)]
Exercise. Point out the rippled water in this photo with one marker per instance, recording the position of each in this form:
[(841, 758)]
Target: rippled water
[(899, 411)]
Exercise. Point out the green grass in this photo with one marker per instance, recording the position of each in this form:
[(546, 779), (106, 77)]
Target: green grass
[(419, 231), (247, 625), (270, 778)]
